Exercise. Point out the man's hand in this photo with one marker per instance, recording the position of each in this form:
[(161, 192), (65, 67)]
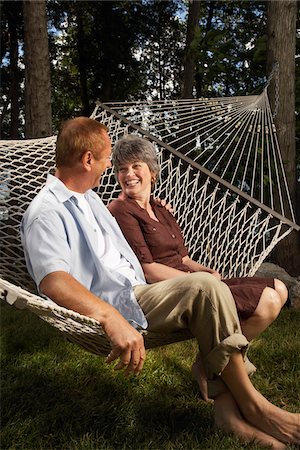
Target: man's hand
[(127, 344)]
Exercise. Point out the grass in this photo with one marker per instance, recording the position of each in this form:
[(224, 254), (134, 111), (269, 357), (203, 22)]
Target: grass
[(55, 395)]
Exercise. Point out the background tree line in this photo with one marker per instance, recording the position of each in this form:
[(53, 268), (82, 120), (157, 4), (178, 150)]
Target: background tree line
[(118, 50), (58, 57)]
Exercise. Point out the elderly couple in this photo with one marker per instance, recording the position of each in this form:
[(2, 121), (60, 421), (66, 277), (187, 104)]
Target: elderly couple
[(79, 258)]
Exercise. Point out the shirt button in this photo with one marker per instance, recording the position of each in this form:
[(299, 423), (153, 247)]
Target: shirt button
[(173, 236), (154, 229)]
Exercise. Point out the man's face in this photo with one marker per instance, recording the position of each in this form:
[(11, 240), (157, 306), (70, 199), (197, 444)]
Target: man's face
[(103, 162)]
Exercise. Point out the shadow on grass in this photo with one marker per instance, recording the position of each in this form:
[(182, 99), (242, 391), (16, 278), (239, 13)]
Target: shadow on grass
[(56, 396)]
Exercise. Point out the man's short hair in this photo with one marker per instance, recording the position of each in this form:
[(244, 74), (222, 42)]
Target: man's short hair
[(77, 136)]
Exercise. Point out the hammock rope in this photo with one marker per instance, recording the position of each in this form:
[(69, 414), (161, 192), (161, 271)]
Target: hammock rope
[(233, 138), (221, 169)]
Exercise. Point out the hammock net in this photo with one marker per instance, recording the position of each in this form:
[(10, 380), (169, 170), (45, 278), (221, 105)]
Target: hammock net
[(221, 169)]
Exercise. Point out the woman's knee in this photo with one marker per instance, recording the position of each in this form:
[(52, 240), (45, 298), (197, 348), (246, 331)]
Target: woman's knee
[(281, 290), (270, 304)]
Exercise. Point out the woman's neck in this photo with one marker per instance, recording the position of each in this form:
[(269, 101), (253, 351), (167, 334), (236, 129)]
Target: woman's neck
[(144, 202)]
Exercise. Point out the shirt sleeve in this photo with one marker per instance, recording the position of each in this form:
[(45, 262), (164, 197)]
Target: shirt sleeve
[(132, 231), (46, 246)]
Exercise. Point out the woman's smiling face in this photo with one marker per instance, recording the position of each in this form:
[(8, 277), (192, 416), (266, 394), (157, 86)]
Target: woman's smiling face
[(135, 179)]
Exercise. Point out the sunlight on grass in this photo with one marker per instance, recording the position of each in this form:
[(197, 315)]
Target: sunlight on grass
[(55, 395)]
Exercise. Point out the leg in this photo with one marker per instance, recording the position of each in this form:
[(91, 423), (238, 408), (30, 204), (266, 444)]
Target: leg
[(268, 308), (281, 290), (256, 409), (199, 374), (204, 305), (228, 418)]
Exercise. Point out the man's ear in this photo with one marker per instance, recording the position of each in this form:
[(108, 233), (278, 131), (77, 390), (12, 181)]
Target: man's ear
[(86, 160)]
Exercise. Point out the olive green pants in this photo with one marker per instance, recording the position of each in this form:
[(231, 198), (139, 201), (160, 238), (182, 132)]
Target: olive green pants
[(205, 306)]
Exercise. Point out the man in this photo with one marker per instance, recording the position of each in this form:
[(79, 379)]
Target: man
[(79, 258)]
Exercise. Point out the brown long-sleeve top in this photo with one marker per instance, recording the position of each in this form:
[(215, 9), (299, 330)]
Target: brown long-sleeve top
[(151, 241)]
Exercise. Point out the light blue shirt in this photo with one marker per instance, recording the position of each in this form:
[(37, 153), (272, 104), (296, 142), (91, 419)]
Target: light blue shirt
[(57, 237)]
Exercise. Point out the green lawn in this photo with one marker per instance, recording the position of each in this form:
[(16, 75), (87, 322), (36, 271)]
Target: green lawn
[(56, 396)]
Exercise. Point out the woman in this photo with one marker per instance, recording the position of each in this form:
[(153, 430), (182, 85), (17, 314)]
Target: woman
[(156, 238)]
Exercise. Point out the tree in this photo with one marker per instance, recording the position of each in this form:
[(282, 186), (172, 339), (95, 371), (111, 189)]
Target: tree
[(161, 50), (11, 74), (189, 53), (225, 55), (282, 16), (38, 115)]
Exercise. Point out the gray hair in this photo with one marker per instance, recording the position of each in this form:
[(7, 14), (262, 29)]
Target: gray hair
[(134, 148)]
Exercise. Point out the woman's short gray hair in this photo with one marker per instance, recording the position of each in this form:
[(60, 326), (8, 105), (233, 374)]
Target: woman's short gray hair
[(134, 148)]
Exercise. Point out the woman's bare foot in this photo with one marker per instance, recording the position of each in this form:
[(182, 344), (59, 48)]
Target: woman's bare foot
[(229, 419), (200, 376)]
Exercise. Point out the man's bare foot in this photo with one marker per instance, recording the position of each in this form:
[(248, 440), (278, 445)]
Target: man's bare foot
[(229, 419), (283, 425), (200, 376), (255, 408)]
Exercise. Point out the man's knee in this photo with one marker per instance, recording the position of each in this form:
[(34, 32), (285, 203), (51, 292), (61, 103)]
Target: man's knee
[(203, 281), (211, 290)]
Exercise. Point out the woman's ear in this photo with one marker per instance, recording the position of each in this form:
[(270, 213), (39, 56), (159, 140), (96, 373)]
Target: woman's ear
[(153, 178)]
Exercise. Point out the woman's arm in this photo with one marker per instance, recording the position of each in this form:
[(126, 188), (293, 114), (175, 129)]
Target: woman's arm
[(196, 267), (158, 272)]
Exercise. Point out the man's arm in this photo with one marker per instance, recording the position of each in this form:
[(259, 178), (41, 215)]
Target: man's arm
[(126, 342)]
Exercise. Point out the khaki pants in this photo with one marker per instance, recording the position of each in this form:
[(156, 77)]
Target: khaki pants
[(205, 306)]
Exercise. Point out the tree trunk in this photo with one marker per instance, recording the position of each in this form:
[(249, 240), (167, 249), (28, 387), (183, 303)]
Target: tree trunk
[(14, 87), (37, 70), (82, 52), (281, 48), (204, 47), (189, 58)]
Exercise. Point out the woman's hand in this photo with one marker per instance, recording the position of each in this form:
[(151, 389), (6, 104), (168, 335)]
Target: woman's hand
[(165, 204), (216, 274)]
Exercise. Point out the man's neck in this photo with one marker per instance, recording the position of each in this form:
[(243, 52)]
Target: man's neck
[(71, 180)]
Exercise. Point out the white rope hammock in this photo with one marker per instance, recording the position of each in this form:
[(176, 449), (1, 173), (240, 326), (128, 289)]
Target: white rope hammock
[(221, 169)]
